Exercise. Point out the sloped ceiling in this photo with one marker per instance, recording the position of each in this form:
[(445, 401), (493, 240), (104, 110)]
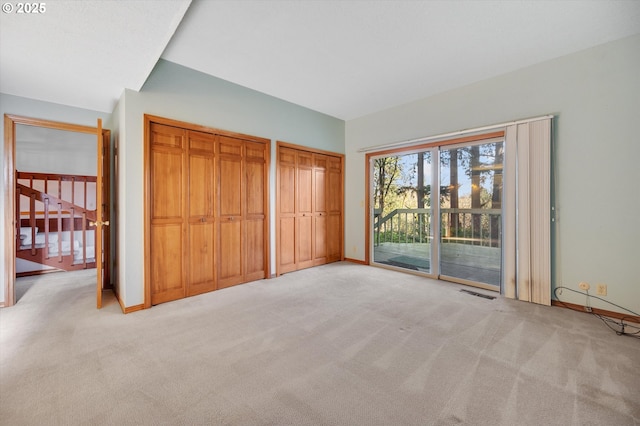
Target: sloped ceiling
[(343, 58), (84, 53)]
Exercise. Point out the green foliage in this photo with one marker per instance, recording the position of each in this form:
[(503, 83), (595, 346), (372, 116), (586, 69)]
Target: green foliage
[(402, 181)]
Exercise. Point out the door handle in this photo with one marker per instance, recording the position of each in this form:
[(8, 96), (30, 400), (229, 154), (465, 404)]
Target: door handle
[(96, 223)]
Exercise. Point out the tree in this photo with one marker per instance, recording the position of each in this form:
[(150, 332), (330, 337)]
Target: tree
[(421, 190), (496, 194), (386, 172), (475, 172), (454, 218)]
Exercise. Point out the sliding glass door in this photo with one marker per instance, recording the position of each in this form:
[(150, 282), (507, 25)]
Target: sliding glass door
[(471, 213), (452, 230), (402, 225)]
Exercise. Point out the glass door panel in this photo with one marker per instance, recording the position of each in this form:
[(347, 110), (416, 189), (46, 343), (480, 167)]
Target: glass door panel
[(471, 213), (402, 233)]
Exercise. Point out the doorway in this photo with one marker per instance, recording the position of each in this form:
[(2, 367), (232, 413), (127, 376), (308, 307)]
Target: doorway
[(62, 201), (437, 210)]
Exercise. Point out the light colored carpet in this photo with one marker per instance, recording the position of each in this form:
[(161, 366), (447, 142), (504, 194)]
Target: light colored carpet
[(341, 344)]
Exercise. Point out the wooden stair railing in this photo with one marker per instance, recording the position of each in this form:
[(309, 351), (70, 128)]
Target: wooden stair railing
[(75, 217)]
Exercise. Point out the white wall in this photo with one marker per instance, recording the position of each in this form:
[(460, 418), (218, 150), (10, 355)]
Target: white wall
[(115, 228), (43, 150), (595, 95), (179, 93), (16, 105)]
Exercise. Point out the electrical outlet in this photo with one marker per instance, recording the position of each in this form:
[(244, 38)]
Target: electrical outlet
[(584, 286), (601, 289)]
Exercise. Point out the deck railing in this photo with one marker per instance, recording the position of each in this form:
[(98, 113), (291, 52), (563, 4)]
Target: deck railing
[(403, 226), (480, 227)]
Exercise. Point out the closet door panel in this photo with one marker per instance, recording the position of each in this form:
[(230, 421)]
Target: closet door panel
[(230, 264), (254, 151), (334, 186), (230, 187), (201, 189), (167, 180), (305, 191), (230, 146), (201, 243), (202, 142), (255, 212), (319, 209), (287, 187), (255, 189), (334, 209), (167, 274), (167, 136), (319, 184), (231, 253), (167, 184), (287, 258), (286, 196), (334, 238), (201, 258), (305, 241), (255, 239), (320, 240), (304, 211)]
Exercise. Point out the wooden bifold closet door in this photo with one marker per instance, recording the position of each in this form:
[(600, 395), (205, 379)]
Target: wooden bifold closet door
[(309, 208), (200, 253), (168, 222), (207, 203), (335, 197), (242, 214)]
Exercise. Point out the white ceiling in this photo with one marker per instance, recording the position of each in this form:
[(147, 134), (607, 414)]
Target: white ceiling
[(84, 53), (343, 58)]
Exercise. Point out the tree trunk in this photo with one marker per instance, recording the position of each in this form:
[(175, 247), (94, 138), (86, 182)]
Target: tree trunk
[(475, 193), (454, 218), (496, 196), (420, 193)]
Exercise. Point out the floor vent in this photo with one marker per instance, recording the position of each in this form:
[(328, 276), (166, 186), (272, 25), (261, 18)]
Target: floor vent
[(474, 293)]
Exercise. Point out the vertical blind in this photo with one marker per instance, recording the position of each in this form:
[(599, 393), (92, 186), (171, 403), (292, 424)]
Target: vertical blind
[(527, 221)]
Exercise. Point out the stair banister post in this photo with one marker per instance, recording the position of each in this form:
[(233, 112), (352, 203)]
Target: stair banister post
[(59, 232), (16, 228), (46, 227), (32, 222), (72, 229), (84, 235)]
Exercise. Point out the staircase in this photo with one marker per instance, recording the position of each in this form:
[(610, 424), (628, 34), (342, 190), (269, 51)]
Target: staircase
[(54, 220)]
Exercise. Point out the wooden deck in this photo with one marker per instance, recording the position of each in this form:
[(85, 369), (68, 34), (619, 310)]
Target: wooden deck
[(474, 263)]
